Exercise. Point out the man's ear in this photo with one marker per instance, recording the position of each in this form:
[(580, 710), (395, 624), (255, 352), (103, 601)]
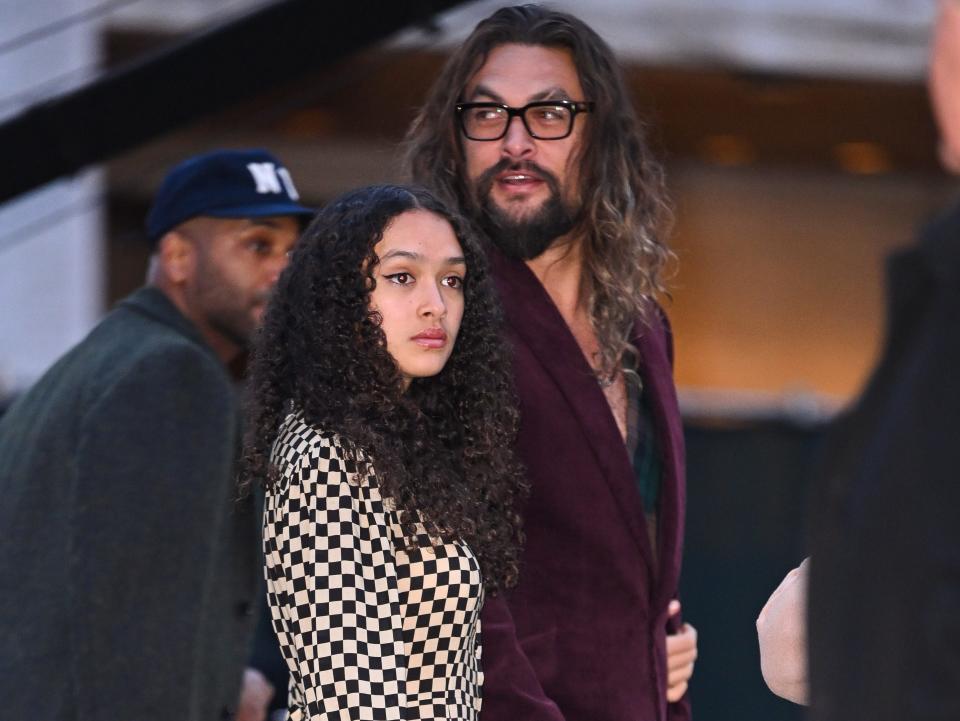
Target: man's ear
[(178, 257)]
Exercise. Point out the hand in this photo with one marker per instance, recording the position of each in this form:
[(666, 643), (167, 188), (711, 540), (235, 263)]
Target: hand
[(782, 631), (681, 654), (255, 696)]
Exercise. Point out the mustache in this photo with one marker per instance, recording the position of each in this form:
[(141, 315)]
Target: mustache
[(486, 178)]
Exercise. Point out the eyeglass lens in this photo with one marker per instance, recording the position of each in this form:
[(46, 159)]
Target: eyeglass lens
[(542, 121)]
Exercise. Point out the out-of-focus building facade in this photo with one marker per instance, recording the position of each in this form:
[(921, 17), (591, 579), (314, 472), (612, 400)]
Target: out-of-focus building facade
[(796, 137)]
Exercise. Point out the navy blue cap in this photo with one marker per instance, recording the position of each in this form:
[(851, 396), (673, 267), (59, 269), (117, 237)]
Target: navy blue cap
[(223, 184)]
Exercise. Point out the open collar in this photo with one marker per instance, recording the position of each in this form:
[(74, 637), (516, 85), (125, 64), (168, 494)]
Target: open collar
[(535, 321)]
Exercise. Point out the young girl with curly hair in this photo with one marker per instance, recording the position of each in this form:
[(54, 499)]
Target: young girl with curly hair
[(381, 421)]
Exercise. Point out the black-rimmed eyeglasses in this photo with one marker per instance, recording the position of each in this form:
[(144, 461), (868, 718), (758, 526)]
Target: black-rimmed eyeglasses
[(544, 120)]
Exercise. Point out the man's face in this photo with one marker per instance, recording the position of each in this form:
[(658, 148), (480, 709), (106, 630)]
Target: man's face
[(945, 82), (238, 263), (527, 189)]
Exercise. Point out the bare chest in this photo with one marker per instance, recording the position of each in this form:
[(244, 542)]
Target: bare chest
[(616, 391)]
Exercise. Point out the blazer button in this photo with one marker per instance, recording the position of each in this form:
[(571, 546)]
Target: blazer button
[(244, 608), (226, 713)]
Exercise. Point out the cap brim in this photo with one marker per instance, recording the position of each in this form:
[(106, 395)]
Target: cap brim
[(264, 210)]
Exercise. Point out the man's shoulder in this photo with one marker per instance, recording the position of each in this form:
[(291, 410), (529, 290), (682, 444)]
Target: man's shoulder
[(125, 349), (653, 334), (657, 320), (160, 361), (939, 246), (127, 341)]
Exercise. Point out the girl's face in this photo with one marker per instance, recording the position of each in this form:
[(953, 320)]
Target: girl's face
[(419, 292)]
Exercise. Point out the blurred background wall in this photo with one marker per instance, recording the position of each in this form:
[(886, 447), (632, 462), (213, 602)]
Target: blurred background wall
[(52, 241), (797, 138), (800, 152)]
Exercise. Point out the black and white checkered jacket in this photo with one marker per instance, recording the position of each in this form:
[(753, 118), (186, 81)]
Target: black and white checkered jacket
[(368, 630)]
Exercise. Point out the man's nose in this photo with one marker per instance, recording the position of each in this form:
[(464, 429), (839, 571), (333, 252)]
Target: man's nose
[(518, 143), (275, 267)]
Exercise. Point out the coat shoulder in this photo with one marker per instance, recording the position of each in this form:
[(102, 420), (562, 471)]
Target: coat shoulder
[(301, 445)]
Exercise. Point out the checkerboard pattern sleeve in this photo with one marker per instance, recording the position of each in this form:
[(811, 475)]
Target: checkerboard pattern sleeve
[(368, 630)]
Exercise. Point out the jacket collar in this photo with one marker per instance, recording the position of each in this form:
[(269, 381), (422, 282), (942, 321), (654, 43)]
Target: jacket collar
[(534, 320), (154, 303), (940, 247), (919, 270)]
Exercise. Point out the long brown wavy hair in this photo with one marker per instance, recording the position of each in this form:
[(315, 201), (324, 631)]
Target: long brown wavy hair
[(622, 186), (441, 450)]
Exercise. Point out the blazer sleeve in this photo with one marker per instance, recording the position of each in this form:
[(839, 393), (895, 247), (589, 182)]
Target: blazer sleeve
[(154, 486), (511, 689), (333, 588)]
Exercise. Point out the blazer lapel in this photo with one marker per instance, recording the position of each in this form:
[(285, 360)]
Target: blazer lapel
[(535, 321), (657, 377)]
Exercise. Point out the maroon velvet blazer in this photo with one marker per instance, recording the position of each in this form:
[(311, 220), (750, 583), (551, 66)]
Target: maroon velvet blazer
[(582, 637)]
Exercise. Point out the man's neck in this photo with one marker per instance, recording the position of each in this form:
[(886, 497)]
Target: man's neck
[(227, 350), (559, 269)]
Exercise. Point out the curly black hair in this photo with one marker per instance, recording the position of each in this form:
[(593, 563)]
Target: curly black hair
[(442, 448)]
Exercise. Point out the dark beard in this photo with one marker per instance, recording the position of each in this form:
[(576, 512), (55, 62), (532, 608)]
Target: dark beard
[(529, 237), (225, 307)]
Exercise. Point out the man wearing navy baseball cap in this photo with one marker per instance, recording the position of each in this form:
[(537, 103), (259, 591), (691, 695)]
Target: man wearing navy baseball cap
[(132, 574), (228, 217)]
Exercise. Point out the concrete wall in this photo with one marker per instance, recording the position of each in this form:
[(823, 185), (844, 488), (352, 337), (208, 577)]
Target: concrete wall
[(51, 257), (780, 287)]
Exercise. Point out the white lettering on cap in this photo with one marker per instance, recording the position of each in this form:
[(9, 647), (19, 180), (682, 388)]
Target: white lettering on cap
[(265, 176), (288, 183)]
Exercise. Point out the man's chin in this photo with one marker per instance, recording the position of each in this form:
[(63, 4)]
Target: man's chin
[(525, 241), (517, 210), (523, 228)]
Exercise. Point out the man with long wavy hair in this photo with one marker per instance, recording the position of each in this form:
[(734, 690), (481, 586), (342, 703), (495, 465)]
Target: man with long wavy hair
[(530, 131)]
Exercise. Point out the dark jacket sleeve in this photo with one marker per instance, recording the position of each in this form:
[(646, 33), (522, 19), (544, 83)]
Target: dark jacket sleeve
[(154, 484), (511, 690)]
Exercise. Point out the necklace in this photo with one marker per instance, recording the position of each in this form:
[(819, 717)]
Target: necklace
[(605, 381)]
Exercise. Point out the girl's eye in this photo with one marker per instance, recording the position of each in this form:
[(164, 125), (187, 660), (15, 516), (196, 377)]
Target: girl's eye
[(453, 281), (400, 278)]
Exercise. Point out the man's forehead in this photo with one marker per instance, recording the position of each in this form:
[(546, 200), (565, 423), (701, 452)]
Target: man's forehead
[(279, 222), (525, 72), (272, 222), (211, 227)]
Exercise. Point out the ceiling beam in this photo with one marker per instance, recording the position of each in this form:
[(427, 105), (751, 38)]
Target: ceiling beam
[(198, 75)]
